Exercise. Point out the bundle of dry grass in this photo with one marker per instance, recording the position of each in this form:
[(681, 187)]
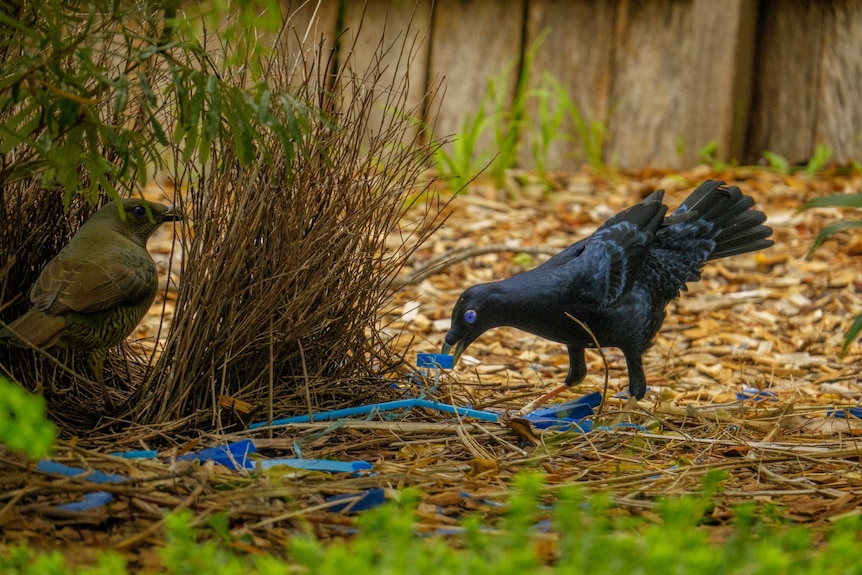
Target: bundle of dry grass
[(289, 265)]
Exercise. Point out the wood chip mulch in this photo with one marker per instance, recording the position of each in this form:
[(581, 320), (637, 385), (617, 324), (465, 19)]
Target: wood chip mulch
[(746, 376)]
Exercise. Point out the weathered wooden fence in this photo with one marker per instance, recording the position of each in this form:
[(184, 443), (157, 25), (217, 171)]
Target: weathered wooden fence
[(654, 82)]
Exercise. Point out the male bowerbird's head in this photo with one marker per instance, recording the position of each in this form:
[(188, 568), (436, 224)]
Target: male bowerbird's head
[(618, 281), (475, 313)]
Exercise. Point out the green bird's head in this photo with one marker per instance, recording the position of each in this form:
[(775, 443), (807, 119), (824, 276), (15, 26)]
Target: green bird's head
[(134, 218)]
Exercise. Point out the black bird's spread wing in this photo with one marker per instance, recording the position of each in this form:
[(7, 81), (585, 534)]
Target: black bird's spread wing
[(715, 221), (602, 268)]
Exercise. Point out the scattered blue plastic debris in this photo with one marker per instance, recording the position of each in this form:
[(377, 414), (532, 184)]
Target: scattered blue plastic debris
[(89, 501), (367, 499), (756, 394), (434, 361), (90, 475), (328, 465), (844, 411), (233, 455), (139, 454), (567, 414), (386, 406)]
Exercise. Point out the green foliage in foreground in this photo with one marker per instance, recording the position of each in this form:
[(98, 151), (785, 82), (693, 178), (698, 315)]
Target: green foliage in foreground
[(24, 426), (592, 537)]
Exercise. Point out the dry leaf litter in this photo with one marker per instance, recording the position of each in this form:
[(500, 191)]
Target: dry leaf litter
[(771, 322)]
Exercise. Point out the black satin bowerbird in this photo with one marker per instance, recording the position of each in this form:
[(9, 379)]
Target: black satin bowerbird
[(618, 281)]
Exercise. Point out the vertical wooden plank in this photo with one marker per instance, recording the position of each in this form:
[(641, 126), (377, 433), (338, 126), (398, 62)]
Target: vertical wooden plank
[(786, 76), (652, 64), (391, 35), (473, 41), (577, 52), (719, 77), (839, 113)]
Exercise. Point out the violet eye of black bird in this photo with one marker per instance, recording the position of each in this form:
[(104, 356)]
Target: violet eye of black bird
[(139, 211), (470, 315)]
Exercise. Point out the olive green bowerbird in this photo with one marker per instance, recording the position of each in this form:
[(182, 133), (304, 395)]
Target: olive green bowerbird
[(97, 289)]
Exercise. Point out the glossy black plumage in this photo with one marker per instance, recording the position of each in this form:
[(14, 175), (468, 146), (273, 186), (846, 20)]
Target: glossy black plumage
[(618, 281)]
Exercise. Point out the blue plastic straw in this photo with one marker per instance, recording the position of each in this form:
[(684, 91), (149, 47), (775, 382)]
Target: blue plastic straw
[(386, 406)]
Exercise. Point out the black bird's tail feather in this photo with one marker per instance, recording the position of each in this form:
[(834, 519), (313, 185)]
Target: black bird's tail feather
[(742, 228)]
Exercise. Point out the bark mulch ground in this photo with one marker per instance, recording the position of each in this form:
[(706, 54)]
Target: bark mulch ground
[(746, 376)]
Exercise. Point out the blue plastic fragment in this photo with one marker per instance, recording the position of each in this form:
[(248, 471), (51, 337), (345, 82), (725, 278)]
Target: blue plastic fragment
[(89, 501), (137, 454), (434, 361), (386, 406), (233, 455), (90, 475), (328, 465), (368, 499), (756, 394), (844, 411), (567, 415)]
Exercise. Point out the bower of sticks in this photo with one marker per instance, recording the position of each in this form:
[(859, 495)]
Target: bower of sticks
[(745, 376)]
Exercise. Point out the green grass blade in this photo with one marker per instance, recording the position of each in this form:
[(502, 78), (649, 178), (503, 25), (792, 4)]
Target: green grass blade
[(851, 334), (831, 230), (834, 201)]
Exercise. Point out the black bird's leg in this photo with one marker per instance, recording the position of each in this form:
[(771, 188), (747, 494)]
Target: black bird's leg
[(637, 379), (577, 366), (577, 372)]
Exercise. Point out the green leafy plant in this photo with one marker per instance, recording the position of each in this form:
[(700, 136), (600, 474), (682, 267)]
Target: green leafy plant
[(842, 201), (590, 133), (24, 426), (587, 532), (818, 161), (777, 162), (708, 155), (550, 116), (459, 167), (92, 98)]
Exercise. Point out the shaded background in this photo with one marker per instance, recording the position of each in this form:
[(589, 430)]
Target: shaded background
[(661, 80)]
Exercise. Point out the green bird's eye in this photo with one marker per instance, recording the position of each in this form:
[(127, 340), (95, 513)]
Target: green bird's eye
[(470, 315), (139, 211)]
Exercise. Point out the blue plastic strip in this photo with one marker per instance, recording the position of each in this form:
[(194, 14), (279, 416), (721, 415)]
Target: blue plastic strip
[(844, 411), (328, 465), (139, 454), (89, 501), (756, 394), (386, 406), (90, 475), (232, 455), (370, 498)]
